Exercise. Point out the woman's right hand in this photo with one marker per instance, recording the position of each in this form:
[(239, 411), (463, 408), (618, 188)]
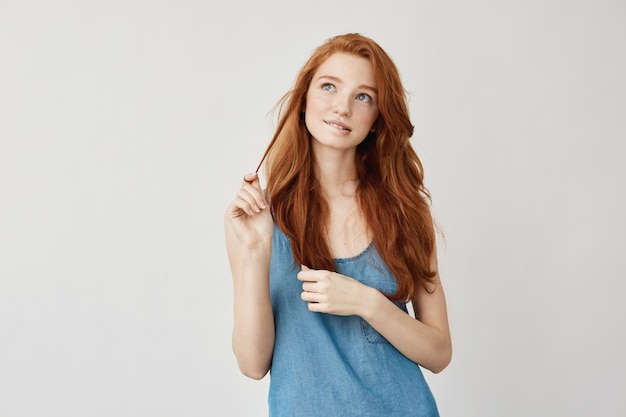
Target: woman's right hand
[(249, 214)]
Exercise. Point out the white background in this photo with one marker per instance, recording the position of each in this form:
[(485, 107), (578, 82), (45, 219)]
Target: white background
[(126, 126)]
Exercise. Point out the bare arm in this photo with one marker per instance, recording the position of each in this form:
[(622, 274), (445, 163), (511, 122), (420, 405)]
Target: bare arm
[(425, 339), (248, 227)]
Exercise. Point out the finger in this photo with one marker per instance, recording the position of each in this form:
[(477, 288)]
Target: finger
[(302, 275), (253, 197), (250, 177), (307, 275), (311, 297), (240, 207), (246, 202), (316, 307), (252, 183)]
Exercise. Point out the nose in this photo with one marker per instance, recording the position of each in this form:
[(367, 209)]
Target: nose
[(341, 105)]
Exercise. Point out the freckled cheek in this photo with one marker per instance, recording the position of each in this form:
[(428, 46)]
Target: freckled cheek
[(314, 104), (368, 119)]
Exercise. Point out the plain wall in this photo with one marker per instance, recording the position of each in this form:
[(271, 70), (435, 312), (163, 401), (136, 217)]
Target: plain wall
[(125, 129)]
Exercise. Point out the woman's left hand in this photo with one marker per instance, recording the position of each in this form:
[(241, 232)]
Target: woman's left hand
[(330, 292)]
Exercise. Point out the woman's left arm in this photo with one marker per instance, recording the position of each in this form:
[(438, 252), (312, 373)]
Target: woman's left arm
[(424, 339)]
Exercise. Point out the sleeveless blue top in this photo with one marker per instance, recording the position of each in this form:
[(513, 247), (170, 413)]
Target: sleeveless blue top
[(326, 365)]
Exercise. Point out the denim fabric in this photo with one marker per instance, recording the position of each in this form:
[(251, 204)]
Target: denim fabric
[(333, 366)]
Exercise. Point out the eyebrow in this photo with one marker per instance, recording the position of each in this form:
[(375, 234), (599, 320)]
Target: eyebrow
[(332, 78)]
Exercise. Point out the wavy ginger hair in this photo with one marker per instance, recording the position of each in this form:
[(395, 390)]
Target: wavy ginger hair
[(390, 191)]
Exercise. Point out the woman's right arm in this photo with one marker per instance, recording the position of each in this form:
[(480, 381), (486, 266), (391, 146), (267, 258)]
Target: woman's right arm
[(249, 227)]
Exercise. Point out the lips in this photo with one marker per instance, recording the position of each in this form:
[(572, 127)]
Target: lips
[(337, 125)]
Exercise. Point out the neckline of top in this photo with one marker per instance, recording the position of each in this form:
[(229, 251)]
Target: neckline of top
[(355, 257)]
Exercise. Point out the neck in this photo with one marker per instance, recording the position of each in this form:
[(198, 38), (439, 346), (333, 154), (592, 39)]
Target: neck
[(336, 172)]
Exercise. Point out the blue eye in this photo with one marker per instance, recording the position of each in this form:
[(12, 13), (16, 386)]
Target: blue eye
[(328, 87), (364, 98)]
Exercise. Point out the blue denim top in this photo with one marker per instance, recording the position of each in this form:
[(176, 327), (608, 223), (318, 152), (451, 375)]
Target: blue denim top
[(335, 366)]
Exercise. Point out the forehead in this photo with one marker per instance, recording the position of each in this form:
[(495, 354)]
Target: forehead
[(348, 68)]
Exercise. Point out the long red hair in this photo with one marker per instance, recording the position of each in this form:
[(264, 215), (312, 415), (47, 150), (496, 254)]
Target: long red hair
[(391, 192)]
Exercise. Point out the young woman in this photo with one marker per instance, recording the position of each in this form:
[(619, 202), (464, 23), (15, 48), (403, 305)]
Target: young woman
[(326, 258)]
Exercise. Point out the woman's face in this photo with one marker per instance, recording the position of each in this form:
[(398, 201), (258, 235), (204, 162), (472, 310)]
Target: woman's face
[(341, 102)]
